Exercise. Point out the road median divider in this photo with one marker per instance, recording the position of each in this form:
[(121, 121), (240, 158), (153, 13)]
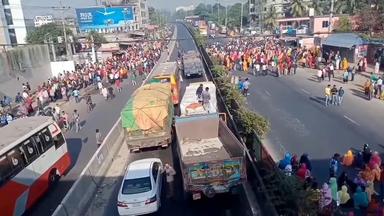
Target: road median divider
[(78, 197)]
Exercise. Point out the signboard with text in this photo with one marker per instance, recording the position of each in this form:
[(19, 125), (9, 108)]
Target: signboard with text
[(104, 17)]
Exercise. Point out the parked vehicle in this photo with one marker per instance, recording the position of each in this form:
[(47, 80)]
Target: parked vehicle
[(147, 117), (140, 191), (192, 65), (211, 158)]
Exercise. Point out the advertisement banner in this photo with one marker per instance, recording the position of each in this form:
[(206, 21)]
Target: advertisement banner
[(104, 17)]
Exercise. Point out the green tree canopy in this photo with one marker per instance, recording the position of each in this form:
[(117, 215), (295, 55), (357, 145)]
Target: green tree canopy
[(270, 18), (343, 24), (298, 8), (43, 32), (97, 37)]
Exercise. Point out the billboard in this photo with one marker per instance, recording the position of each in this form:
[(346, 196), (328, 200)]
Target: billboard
[(103, 17)]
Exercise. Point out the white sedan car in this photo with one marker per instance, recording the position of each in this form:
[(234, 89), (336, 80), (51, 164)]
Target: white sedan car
[(140, 190)]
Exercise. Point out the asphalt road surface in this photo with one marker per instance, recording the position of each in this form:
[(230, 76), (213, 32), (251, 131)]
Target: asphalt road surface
[(221, 205), (300, 123)]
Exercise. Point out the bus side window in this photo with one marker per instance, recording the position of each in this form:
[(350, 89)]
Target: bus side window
[(5, 169), (46, 139), (58, 140), (16, 160), (30, 151)]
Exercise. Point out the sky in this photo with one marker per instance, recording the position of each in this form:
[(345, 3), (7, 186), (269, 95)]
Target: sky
[(43, 7)]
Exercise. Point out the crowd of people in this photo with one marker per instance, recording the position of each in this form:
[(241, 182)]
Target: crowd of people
[(258, 55), (134, 62), (346, 190)]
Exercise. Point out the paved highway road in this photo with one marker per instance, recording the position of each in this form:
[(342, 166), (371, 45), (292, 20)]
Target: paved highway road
[(301, 123), (221, 205)]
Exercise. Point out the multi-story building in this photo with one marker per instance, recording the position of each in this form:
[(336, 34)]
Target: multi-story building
[(13, 26)]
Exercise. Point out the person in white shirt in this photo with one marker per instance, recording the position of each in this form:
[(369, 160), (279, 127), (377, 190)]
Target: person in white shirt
[(57, 109), (104, 92), (377, 67), (170, 173), (100, 87), (379, 84), (319, 74), (246, 84), (25, 95)]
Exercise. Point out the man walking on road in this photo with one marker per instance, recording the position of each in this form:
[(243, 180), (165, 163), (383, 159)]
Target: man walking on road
[(327, 92), (246, 87), (334, 95), (99, 138), (379, 84), (76, 120), (170, 173), (340, 96)]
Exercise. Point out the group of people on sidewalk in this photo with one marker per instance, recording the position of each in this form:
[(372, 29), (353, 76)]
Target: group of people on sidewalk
[(353, 194)]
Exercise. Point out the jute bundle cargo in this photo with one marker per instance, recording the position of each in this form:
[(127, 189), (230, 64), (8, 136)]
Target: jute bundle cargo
[(148, 114)]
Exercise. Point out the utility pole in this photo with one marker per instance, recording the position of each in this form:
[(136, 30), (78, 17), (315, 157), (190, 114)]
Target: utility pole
[(330, 17), (241, 18), (261, 21), (93, 49), (67, 48), (226, 16), (50, 43), (218, 12)]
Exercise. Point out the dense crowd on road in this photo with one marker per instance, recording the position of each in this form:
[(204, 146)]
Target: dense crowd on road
[(132, 63), (259, 56), (346, 190), (353, 178)]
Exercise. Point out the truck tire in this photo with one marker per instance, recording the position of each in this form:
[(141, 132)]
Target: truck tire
[(235, 190), (210, 192), (187, 197)]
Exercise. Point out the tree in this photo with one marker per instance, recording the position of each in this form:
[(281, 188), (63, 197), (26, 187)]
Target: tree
[(298, 8), (349, 6), (317, 6), (42, 33), (270, 18), (370, 20), (201, 10), (97, 37), (343, 25)]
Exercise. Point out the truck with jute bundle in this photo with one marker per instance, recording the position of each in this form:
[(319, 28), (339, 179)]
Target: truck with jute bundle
[(147, 117)]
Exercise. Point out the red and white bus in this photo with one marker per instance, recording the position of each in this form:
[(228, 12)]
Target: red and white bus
[(33, 155)]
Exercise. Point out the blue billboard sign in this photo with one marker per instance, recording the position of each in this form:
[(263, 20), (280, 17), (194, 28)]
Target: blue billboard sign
[(103, 17)]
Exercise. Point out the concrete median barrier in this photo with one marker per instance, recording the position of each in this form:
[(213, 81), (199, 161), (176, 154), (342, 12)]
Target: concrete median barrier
[(86, 185)]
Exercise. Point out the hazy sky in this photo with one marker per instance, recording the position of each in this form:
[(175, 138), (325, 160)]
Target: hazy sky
[(42, 7)]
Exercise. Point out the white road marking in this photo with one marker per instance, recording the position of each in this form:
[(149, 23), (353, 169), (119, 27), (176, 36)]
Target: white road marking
[(305, 91), (351, 120), (267, 93)]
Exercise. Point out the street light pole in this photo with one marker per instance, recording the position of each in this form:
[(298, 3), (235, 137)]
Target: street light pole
[(218, 12), (226, 16), (330, 17), (241, 18), (68, 49)]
